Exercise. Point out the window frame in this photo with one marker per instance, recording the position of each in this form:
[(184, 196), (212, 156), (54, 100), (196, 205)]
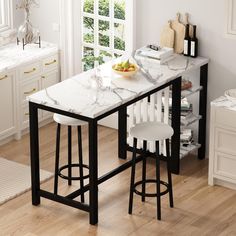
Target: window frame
[(71, 31), (128, 23), (7, 17)]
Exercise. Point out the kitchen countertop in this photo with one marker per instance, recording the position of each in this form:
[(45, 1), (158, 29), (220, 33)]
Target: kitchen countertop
[(223, 101), (13, 55)]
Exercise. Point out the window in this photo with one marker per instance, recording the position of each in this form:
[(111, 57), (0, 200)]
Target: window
[(105, 30), (5, 15)]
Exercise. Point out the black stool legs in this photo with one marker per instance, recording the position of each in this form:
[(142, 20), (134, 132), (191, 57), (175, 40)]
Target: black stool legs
[(169, 173), (70, 165), (57, 159), (144, 171), (158, 184), (157, 181), (69, 156), (80, 151), (131, 196)]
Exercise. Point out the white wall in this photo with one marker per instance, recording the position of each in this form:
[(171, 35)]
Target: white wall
[(18, 16), (209, 16), (44, 17)]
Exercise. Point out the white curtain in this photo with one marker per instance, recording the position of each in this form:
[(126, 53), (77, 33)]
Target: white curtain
[(70, 40)]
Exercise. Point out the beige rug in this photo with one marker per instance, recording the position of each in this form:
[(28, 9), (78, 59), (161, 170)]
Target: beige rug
[(15, 179)]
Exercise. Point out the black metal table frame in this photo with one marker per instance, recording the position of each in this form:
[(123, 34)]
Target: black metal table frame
[(94, 180)]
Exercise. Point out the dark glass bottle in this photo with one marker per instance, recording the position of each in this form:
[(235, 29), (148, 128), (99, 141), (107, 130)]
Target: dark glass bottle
[(194, 43), (187, 40)]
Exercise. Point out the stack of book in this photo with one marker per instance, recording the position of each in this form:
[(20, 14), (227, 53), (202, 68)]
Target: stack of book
[(157, 53), (186, 137)]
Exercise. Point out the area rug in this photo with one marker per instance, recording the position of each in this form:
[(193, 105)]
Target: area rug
[(15, 179)]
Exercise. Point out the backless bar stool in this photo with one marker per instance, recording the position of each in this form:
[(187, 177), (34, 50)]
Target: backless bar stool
[(155, 132), (70, 122)]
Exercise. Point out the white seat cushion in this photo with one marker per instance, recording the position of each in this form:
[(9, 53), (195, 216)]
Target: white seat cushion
[(65, 120), (152, 131)]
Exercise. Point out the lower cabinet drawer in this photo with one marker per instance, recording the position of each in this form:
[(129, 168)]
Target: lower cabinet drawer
[(50, 63), (225, 117), (29, 88), (30, 70), (225, 165), (225, 141)]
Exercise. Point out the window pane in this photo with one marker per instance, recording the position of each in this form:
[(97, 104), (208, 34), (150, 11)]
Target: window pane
[(104, 33), (104, 8), (89, 6), (88, 58), (88, 30), (119, 40), (119, 9)]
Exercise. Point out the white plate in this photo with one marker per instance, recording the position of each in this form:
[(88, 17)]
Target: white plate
[(231, 95)]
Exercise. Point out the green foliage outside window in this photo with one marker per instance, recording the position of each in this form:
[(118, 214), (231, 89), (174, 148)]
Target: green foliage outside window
[(104, 27)]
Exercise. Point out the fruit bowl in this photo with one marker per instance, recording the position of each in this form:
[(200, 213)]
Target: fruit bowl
[(125, 69)]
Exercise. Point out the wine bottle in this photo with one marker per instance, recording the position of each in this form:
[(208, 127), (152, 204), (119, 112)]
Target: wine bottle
[(194, 43), (187, 40)]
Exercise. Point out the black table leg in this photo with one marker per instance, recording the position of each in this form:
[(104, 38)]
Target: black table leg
[(202, 112), (34, 154), (176, 112), (93, 172), (122, 130)]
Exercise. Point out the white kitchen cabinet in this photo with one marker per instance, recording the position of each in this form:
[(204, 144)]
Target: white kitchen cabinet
[(222, 157), (23, 73), (7, 104)]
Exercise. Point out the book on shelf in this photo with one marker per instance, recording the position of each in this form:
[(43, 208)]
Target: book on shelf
[(161, 55)]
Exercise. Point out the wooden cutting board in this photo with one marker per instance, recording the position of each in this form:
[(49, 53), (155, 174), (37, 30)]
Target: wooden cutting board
[(179, 29), (167, 36), (190, 25)]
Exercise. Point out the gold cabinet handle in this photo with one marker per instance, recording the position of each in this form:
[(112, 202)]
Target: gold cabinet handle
[(50, 63), (27, 114), (43, 77), (30, 71), (30, 92), (4, 77)]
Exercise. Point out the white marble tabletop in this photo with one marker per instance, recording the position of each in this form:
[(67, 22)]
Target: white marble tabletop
[(79, 96), (13, 55)]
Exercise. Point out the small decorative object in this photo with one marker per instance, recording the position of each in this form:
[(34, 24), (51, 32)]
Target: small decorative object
[(186, 84), (231, 95), (27, 34)]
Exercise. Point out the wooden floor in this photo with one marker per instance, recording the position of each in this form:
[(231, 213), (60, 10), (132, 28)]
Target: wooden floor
[(199, 209)]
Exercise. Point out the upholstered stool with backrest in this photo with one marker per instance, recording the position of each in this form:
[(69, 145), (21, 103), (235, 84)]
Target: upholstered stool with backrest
[(154, 132), (69, 122)]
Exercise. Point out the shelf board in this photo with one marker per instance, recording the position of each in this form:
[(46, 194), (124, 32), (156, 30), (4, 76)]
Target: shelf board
[(190, 119), (184, 151), (188, 92)]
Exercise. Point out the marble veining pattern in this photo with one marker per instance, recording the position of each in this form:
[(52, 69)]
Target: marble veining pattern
[(78, 95), (13, 55), (223, 101)]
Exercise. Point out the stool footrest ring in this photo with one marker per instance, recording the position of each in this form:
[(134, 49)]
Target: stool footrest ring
[(151, 194), (72, 166)]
